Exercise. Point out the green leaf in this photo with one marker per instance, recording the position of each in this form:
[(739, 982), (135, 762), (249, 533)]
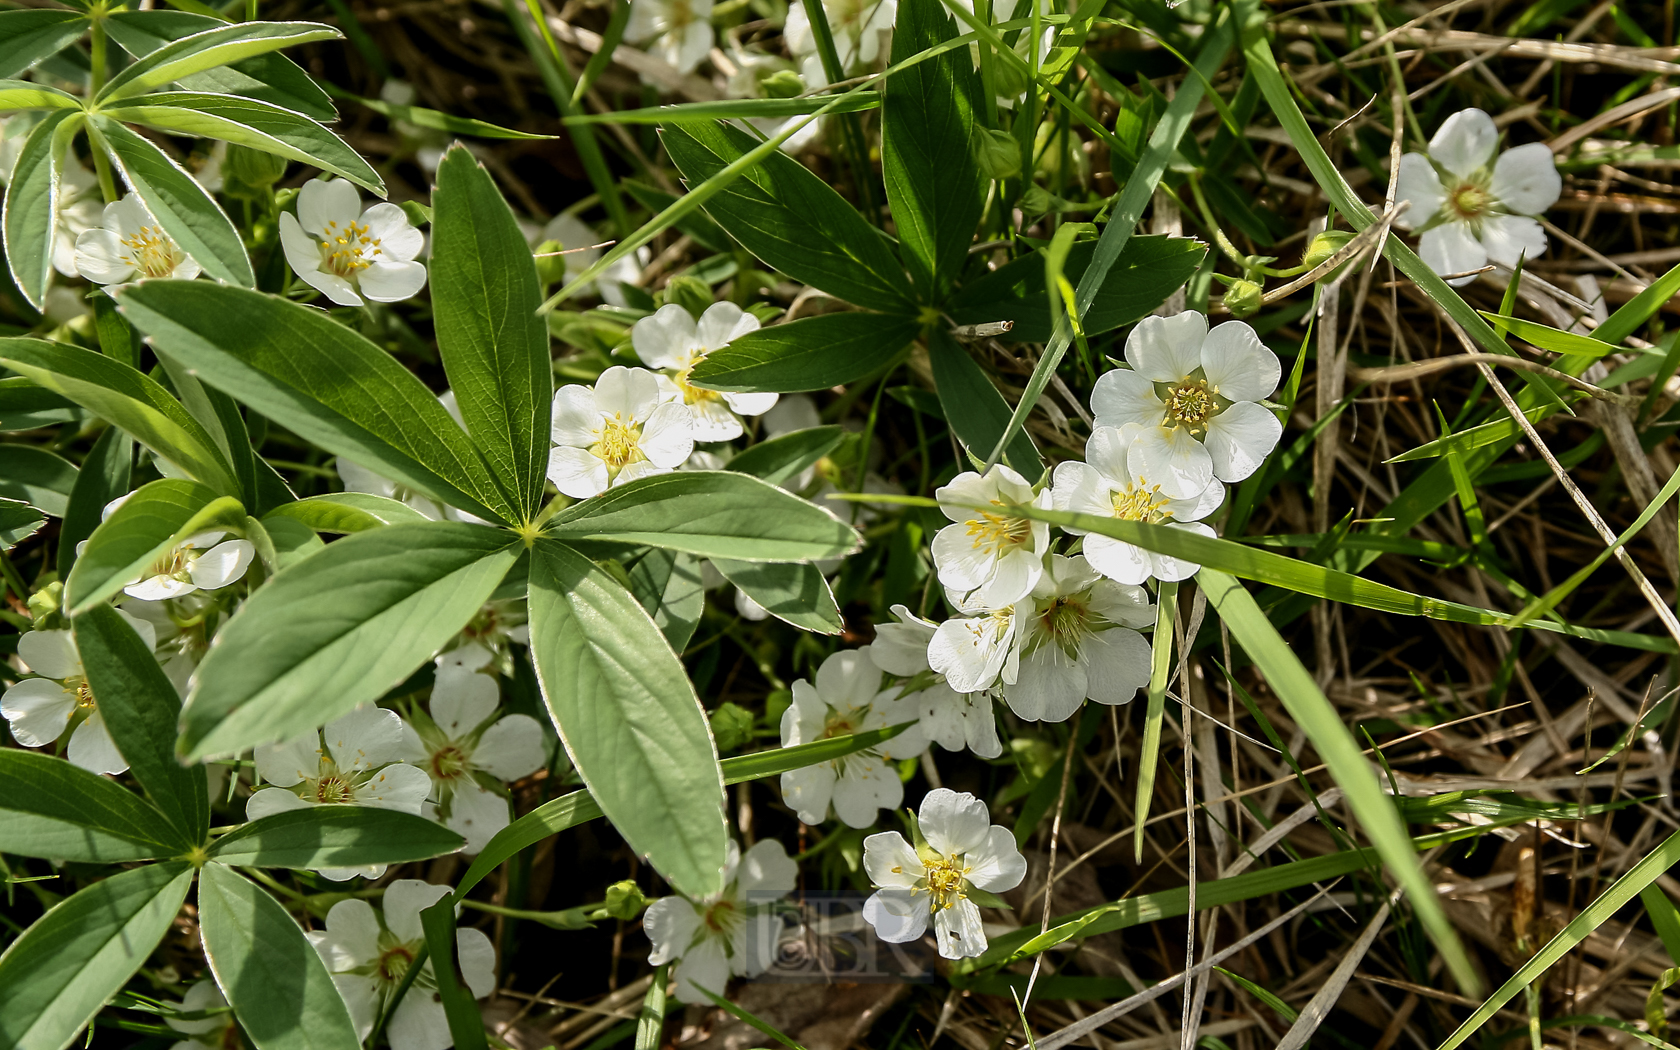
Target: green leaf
[(466, 1024), (334, 837), (787, 216), (104, 476), (668, 585), (63, 969), (628, 716), (21, 94), (26, 37), (975, 409), (18, 522), (728, 109), (249, 122), (485, 296), (36, 476), (50, 808), (141, 708), (338, 630), (220, 46), (1335, 745), (784, 457), (1148, 270), (30, 213), (713, 514), (794, 593), (147, 526), (273, 978), (812, 353), (272, 78), (1549, 338), (25, 406), (1641, 308), (933, 181), (329, 385), (127, 398), (421, 117), (184, 209), (347, 512)]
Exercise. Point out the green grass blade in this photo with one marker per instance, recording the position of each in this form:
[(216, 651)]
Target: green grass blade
[(1160, 669)]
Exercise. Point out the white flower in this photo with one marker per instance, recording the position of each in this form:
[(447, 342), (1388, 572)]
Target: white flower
[(129, 243), (355, 761), (369, 952), (862, 31), (203, 561), (340, 250), (463, 740), (964, 852), (847, 698), (579, 242), (1078, 642), (950, 719), (670, 339), (1469, 211), (39, 709), (990, 557), (734, 933), (677, 32), (1106, 486), (625, 427), (978, 650), (79, 210), (204, 1033), (1195, 394)]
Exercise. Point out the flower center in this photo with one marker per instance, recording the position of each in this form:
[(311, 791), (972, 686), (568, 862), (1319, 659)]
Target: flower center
[(449, 762), (678, 14), (1190, 403), (945, 880), (1066, 619), (1469, 201), (618, 445), (839, 724), (349, 249), (174, 565), (1140, 502), (394, 963), (334, 789), (694, 395), (997, 534), (722, 917), (84, 695), (150, 251)]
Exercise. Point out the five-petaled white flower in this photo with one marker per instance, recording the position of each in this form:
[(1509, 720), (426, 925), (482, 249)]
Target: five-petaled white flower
[(991, 557), (216, 1031), (369, 952), (1195, 392), (1079, 641), (341, 250), (862, 31), (978, 650), (203, 561), (735, 932), (354, 761), (950, 719), (129, 243), (1469, 210), (964, 851), (463, 741), (39, 709), (678, 32), (623, 428), (1106, 486), (847, 698), (670, 339)]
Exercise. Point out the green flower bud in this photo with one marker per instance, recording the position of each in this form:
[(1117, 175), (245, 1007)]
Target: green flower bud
[(625, 900), (998, 153), (784, 83), (551, 267), (1324, 246), (45, 603), (253, 167), (731, 726), (1242, 298), (1035, 201), (690, 293)]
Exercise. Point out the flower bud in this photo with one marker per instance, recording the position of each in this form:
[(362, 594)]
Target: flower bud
[(690, 293), (254, 167), (998, 153), (1035, 201), (731, 726), (625, 900), (1324, 246), (1242, 298), (551, 266), (45, 603), (783, 83)]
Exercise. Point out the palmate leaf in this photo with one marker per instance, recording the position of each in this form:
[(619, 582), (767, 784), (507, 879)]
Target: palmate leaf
[(975, 409), (794, 593), (30, 213), (784, 456), (347, 512), (18, 522), (270, 77)]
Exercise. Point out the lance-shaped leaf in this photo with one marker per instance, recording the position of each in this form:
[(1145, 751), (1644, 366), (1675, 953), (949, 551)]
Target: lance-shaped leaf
[(628, 716), (977, 412), (140, 707), (63, 970), (104, 476), (36, 476), (794, 593), (184, 209), (714, 514), (18, 522), (787, 216), (50, 808), (221, 46), (340, 629), (307, 372), (273, 978), (26, 37), (23, 94), (30, 215), (270, 77), (812, 353), (142, 531), (334, 837), (249, 122), (127, 398), (494, 346), (347, 512), (783, 457)]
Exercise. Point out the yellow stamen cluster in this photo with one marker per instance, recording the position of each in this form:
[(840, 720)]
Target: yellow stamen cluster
[(1141, 502), (349, 249), (691, 394), (619, 444), (946, 882), (449, 762), (394, 962), (1469, 201), (84, 695), (1190, 403), (999, 533), (174, 565), (334, 789), (150, 251)]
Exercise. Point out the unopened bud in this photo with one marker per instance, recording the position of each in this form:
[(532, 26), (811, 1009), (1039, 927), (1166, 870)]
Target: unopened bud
[(1242, 298), (46, 602), (1035, 201), (998, 154), (784, 83), (625, 900), (551, 265), (1324, 246), (731, 726), (254, 167), (690, 293)]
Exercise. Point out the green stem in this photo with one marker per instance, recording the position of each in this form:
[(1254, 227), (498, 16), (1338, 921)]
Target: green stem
[(96, 82)]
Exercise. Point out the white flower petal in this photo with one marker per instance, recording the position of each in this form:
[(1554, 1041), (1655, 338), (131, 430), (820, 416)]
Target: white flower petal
[(1173, 460), (751, 404), (577, 417), (628, 393), (891, 861), (1525, 179), (1165, 349), (896, 916), (365, 738), (352, 935), (997, 866), (959, 931), (766, 872), (808, 791), (397, 238), (867, 785), (50, 653), (1048, 687), (92, 748), (290, 762), (1450, 248), (511, 749), (954, 822), (100, 257), (670, 923), (755, 944), (713, 421), (970, 652), (358, 478), (703, 966), (325, 208), (1239, 439), (576, 472), (222, 564), (668, 435), (477, 959), (723, 323), (397, 786), (1117, 560), (692, 46), (476, 815), (1116, 665), (1122, 395), (1510, 237), (1420, 184), (462, 699), (391, 281), (271, 800), (666, 338), (1465, 142), (1238, 365), (404, 900), (37, 709), (419, 1023)]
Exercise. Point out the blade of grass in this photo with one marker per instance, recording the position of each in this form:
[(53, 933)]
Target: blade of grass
[(1160, 668), (602, 58)]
